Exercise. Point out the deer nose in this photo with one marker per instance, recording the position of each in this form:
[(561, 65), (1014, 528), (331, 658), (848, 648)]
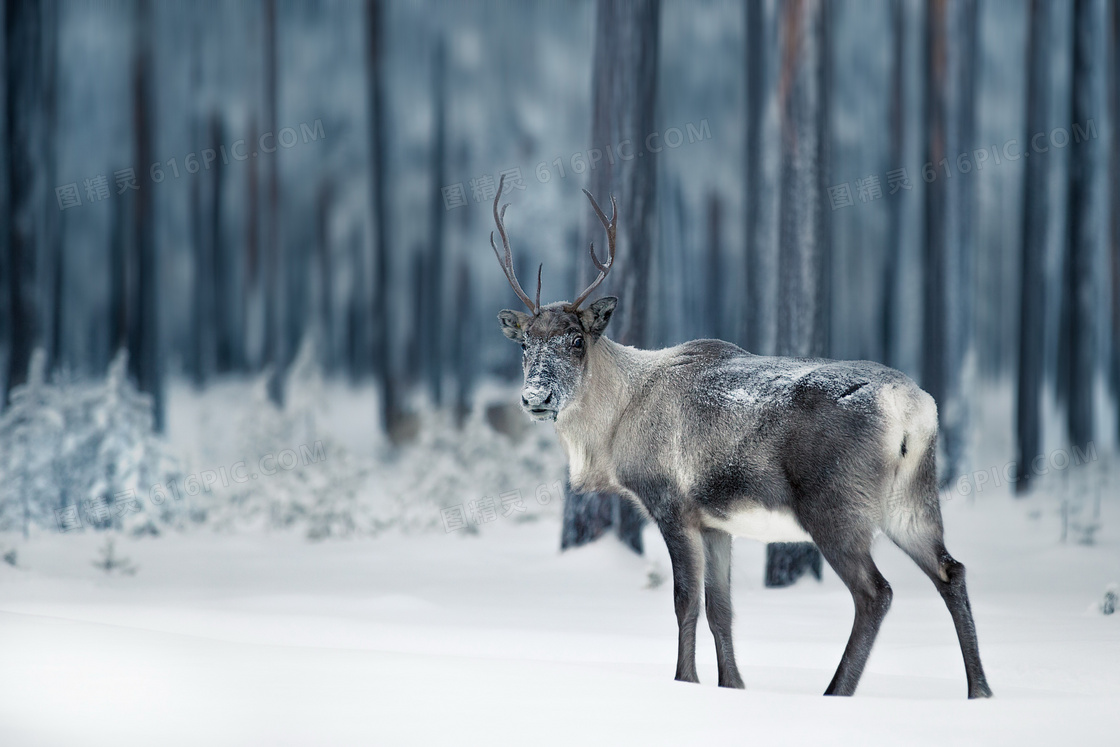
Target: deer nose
[(535, 397)]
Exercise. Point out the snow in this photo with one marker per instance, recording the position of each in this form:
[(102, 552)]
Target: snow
[(492, 638)]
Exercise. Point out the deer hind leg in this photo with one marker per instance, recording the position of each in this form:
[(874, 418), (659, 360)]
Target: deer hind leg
[(914, 523), (717, 602), (845, 542), (872, 597), (687, 554)]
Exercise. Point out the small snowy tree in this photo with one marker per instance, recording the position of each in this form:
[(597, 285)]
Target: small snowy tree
[(127, 458), (30, 431), (81, 448)]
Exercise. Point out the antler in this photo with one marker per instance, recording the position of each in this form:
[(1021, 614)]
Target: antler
[(507, 263), (602, 268)]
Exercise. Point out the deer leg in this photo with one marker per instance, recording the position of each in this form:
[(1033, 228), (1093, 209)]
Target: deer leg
[(685, 550), (717, 603), (947, 575), (850, 557), (915, 525)]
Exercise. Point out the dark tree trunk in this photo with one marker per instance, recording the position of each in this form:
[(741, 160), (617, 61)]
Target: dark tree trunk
[(24, 187), (1084, 205), (1032, 308), (946, 319), (803, 240), (761, 243), (713, 297), (275, 350), (53, 304), (892, 277), (144, 360), (325, 274), (623, 102), (433, 336), (5, 213), (252, 282), (222, 266), (378, 148), (1114, 223), (464, 344)]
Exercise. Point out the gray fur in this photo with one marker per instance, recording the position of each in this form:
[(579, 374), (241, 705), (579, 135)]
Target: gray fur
[(710, 440)]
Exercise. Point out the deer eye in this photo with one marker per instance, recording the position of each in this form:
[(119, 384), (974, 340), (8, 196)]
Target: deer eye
[(577, 343)]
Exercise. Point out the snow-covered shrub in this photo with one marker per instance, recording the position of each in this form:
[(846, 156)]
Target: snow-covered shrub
[(77, 454), (467, 469), (31, 431), (317, 484)]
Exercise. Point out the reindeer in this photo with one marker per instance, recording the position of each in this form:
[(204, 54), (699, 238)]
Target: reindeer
[(714, 442)]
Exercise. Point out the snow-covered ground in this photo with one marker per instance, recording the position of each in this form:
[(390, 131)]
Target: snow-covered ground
[(497, 638)]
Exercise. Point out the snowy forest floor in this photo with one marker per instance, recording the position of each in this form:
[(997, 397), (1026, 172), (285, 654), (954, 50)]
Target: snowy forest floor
[(498, 638)]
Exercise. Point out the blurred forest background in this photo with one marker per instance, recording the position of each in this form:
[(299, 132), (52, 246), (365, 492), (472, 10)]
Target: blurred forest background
[(214, 187)]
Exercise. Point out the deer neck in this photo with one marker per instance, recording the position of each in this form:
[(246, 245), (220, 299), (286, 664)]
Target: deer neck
[(587, 425)]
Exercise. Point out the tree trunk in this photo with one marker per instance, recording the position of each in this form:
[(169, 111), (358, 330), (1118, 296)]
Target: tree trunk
[(1085, 204), (381, 341), (24, 186), (759, 231), (946, 320), (1032, 313), (803, 241), (624, 98), (144, 360), (1114, 223), (275, 350), (433, 336), (713, 265), (892, 276)]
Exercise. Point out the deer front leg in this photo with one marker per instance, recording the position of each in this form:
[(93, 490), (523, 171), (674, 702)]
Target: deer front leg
[(686, 552), (717, 601)]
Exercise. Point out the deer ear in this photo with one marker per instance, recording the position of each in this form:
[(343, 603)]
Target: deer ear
[(514, 324), (598, 315)]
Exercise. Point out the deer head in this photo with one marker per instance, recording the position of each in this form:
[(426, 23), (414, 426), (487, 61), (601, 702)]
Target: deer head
[(556, 338)]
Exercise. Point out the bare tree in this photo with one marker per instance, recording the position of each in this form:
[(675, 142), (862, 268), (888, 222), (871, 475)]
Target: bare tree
[(949, 112), (714, 270), (803, 240), (272, 254), (1085, 204), (433, 337), (1032, 280), (623, 102), (761, 243), (25, 186), (144, 359), (1114, 224), (381, 342), (892, 277)]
